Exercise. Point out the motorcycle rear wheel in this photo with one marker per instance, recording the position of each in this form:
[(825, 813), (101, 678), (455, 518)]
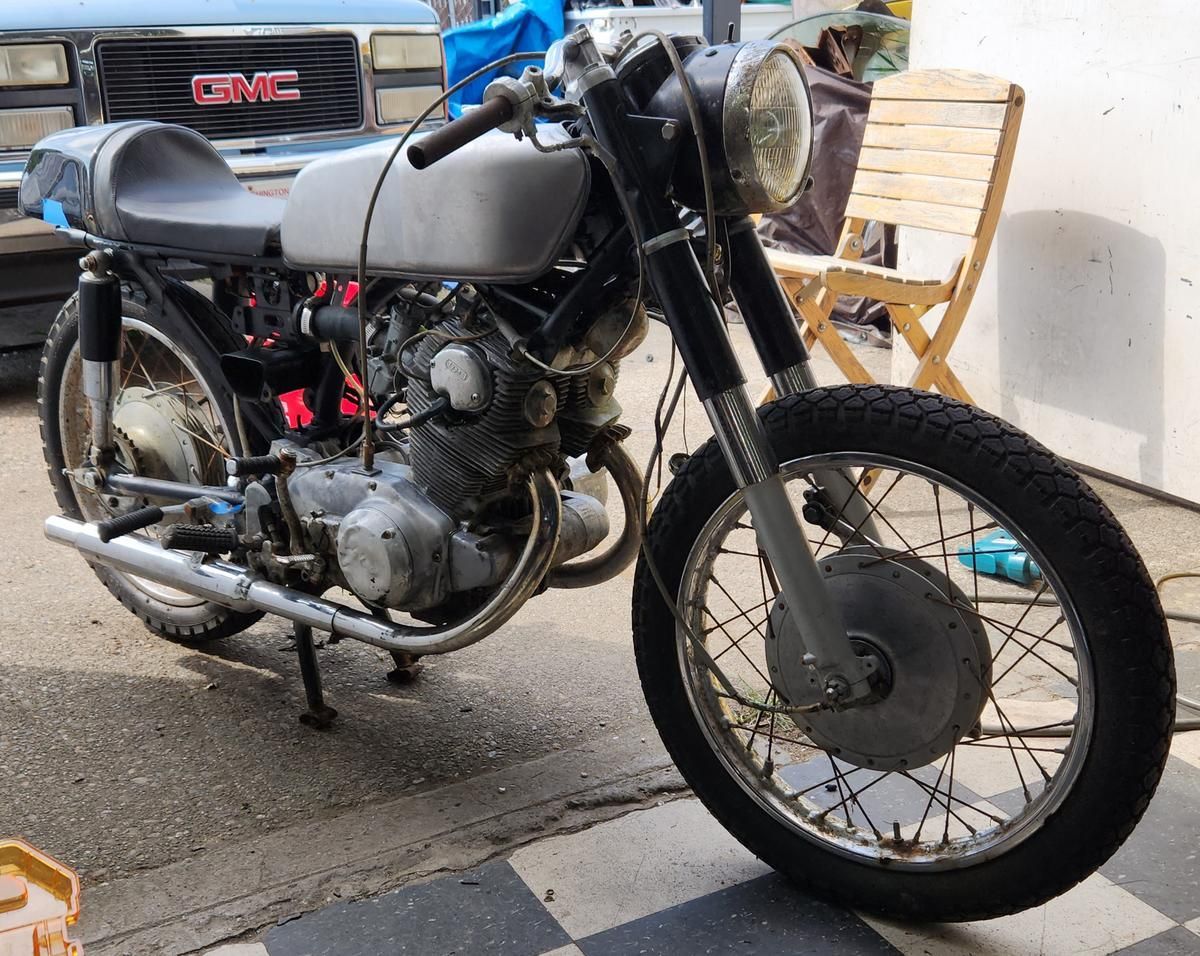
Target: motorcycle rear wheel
[(175, 373), (1087, 648)]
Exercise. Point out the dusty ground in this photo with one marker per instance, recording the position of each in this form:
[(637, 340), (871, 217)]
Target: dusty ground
[(121, 752)]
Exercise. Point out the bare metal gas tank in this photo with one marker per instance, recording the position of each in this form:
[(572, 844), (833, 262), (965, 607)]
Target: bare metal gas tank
[(496, 210)]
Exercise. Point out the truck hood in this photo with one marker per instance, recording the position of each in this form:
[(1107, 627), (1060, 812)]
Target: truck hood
[(87, 14)]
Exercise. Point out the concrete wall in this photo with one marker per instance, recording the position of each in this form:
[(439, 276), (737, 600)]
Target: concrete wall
[(1086, 329)]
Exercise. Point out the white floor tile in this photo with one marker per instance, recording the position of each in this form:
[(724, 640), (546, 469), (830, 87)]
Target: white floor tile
[(239, 949), (1194, 926), (1186, 746), (1095, 917), (634, 866), (569, 950)]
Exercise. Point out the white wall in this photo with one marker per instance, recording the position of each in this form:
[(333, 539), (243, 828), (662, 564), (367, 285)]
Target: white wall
[(1086, 328)]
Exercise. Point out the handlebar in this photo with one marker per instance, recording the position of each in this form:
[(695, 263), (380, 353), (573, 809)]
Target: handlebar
[(457, 133)]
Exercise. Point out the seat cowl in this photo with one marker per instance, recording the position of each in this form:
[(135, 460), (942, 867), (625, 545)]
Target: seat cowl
[(148, 183), (58, 183)]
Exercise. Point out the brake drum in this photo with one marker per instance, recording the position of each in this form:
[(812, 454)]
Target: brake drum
[(935, 661)]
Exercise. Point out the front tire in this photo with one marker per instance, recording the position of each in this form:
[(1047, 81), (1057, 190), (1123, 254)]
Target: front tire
[(1118, 738)]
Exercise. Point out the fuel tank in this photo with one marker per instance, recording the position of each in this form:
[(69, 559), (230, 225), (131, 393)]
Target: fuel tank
[(497, 210)]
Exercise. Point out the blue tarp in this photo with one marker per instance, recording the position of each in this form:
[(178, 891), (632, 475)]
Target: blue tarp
[(525, 25)]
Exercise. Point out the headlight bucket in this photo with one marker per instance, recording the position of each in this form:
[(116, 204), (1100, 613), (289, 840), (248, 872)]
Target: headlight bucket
[(757, 113), (33, 64)]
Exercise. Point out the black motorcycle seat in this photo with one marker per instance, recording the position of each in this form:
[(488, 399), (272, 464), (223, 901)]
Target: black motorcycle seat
[(165, 185)]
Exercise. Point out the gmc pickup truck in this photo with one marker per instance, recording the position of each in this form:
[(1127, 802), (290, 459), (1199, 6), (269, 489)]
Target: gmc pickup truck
[(272, 83)]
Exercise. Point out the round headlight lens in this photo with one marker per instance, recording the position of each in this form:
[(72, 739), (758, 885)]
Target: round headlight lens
[(780, 127), (768, 126)]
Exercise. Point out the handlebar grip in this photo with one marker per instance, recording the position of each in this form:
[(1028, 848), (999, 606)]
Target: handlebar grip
[(457, 133), (111, 528)]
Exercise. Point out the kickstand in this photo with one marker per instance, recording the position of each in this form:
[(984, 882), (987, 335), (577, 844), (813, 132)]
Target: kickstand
[(318, 715)]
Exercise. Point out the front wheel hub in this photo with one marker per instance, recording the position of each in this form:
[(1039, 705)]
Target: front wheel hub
[(934, 661)]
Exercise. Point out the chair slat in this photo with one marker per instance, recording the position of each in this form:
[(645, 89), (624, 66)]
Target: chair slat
[(942, 85), (938, 113), (926, 163), (968, 193), (980, 142), (909, 212)]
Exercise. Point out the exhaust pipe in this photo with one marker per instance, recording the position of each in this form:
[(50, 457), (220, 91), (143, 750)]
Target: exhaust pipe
[(236, 587), (620, 554)]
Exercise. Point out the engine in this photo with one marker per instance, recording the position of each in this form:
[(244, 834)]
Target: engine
[(444, 513)]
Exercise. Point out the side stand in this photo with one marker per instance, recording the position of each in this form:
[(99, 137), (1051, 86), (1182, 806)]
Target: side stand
[(319, 715)]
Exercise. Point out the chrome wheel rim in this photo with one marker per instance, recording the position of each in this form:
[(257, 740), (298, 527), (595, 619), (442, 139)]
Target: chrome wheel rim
[(184, 433), (1036, 726)]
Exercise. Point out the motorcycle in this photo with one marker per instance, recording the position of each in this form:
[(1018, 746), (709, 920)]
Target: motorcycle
[(827, 663)]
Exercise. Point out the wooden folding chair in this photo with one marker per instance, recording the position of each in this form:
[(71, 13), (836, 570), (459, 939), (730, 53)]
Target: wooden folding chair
[(936, 155)]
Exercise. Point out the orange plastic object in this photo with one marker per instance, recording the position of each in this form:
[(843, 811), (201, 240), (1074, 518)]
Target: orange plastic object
[(39, 899)]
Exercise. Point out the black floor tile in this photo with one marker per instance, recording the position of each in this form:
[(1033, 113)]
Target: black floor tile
[(905, 801), (1174, 942), (762, 916), (1160, 863), (490, 910)]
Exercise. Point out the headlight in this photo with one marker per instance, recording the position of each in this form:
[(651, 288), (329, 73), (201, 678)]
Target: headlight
[(758, 127), (33, 64), (768, 126), (20, 129), (406, 51)]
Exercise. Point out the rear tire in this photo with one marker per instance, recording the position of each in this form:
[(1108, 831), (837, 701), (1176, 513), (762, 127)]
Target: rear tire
[(191, 623), (1131, 654)]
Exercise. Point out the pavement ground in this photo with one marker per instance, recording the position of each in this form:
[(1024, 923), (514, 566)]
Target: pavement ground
[(196, 808)]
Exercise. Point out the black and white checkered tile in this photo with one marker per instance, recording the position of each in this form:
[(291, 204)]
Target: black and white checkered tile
[(669, 880)]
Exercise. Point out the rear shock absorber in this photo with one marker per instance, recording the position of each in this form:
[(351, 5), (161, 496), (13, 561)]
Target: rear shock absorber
[(100, 347)]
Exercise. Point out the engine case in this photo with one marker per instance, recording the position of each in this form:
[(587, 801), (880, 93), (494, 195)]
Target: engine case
[(387, 542)]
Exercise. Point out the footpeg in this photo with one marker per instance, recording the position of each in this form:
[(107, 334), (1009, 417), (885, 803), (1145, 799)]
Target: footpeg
[(128, 523), (202, 538)]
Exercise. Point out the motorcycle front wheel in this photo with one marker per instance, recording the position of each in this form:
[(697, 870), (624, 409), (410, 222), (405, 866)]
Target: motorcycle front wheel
[(1023, 713)]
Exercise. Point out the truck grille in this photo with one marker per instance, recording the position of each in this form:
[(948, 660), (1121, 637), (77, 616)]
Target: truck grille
[(152, 79)]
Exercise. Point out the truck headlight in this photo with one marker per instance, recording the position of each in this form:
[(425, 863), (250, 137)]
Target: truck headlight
[(406, 51), (403, 104), (33, 64), (20, 129)]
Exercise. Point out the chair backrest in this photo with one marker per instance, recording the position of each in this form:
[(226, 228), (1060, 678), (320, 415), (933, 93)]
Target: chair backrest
[(937, 151)]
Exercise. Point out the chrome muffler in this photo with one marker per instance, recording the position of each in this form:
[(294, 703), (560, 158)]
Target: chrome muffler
[(236, 587)]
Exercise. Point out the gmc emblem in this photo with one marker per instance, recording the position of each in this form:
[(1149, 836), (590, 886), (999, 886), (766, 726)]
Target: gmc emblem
[(214, 89)]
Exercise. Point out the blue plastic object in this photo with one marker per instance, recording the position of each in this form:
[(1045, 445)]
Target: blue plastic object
[(523, 26), (1000, 555)]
